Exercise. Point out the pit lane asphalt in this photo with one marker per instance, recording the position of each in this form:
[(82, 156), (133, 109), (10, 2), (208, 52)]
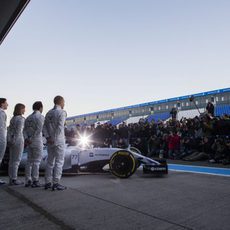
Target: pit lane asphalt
[(177, 201)]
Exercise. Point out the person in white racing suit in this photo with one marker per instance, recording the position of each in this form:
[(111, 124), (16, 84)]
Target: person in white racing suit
[(54, 133), (16, 143), (3, 130), (34, 142)]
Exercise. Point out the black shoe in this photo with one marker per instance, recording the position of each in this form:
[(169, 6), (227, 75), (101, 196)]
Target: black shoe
[(36, 184), (58, 187), (48, 185), (2, 182), (16, 182), (28, 183)]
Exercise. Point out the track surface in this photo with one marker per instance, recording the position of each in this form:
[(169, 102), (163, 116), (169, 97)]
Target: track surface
[(178, 201)]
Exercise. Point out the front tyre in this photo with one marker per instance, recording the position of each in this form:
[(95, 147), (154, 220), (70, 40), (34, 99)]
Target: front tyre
[(135, 150), (122, 164)]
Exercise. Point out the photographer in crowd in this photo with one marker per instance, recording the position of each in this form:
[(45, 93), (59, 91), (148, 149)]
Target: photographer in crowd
[(210, 108)]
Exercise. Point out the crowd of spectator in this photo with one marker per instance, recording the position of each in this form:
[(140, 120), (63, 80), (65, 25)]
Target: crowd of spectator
[(200, 138)]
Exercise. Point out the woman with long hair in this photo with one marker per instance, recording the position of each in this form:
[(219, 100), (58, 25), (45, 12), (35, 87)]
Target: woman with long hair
[(16, 142)]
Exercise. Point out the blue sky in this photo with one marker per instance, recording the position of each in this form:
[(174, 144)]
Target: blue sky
[(102, 54)]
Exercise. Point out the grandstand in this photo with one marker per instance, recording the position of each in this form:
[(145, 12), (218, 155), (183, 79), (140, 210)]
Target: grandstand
[(159, 110)]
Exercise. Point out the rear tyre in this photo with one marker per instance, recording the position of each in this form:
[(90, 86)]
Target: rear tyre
[(122, 164)]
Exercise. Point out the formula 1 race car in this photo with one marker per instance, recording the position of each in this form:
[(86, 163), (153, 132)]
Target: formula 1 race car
[(122, 162)]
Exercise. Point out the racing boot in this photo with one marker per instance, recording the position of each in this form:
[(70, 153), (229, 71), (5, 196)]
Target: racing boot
[(28, 183), (48, 185), (15, 182), (36, 184), (58, 187), (2, 182)]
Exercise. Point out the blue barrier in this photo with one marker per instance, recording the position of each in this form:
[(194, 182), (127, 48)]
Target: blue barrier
[(200, 169)]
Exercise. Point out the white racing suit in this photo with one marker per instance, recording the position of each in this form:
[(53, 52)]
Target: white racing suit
[(33, 134), (16, 144), (54, 130), (3, 132)]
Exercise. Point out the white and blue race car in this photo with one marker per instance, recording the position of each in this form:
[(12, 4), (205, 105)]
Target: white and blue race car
[(122, 162)]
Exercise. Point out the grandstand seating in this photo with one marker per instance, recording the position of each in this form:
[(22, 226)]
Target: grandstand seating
[(158, 116), (161, 109), (189, 113), (134, 119), (220, 110), (101, 122), (117, 121)]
